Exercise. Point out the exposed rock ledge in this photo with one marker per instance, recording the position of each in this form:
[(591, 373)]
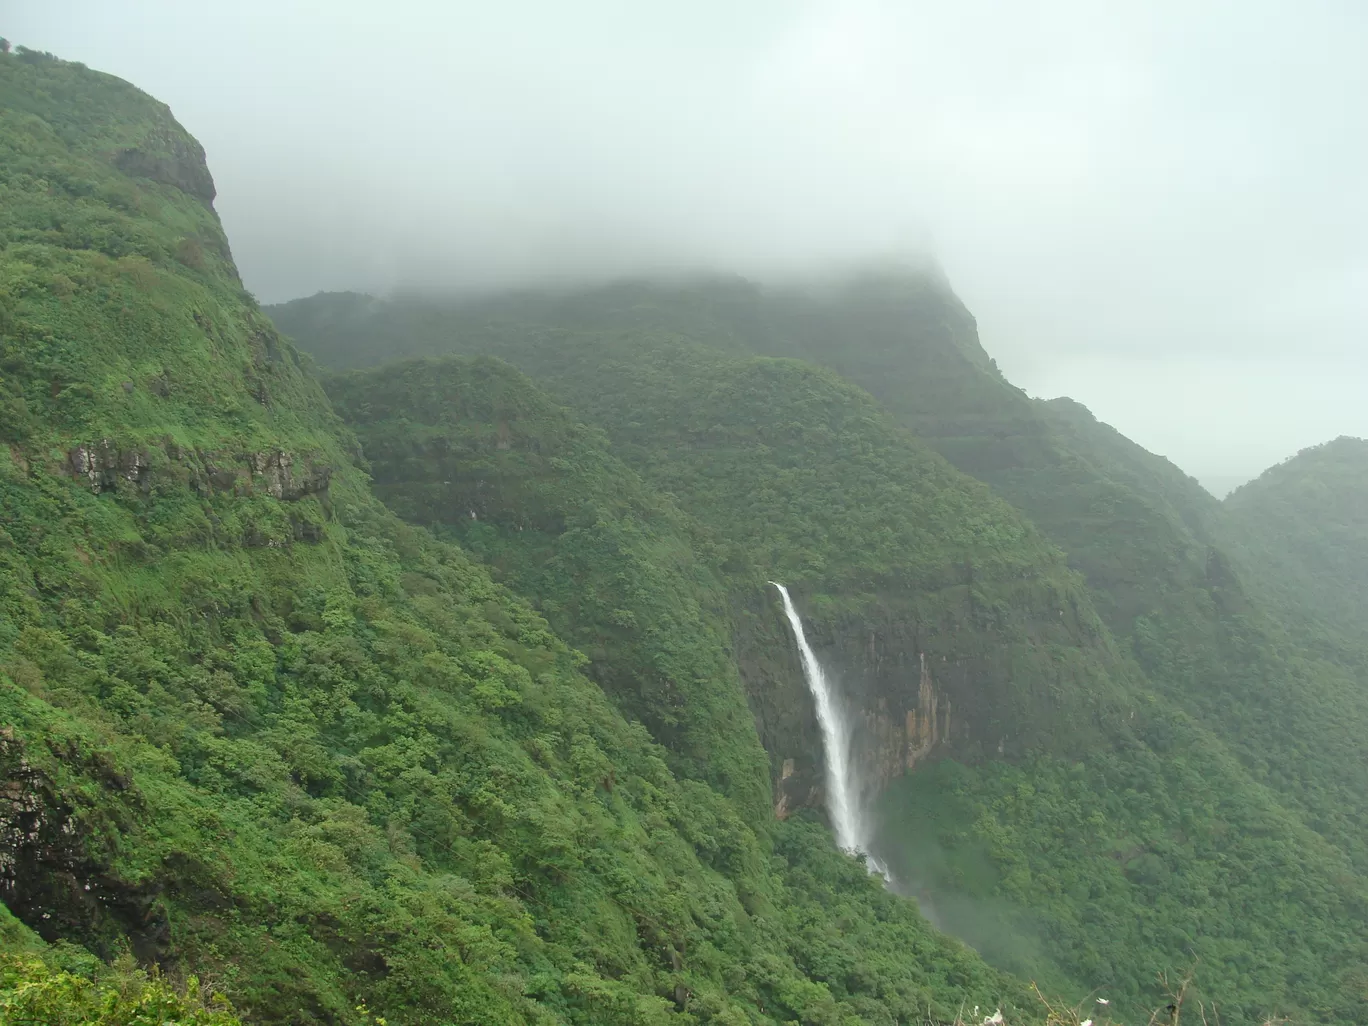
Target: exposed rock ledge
[(105, 466)]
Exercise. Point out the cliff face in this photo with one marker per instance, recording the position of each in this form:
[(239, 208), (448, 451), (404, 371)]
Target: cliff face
[(955, 630), (898, 713), (896, 745), (941, 677)]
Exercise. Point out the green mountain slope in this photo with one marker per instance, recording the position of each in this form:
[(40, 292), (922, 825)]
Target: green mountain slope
[(1305, 523), (788, 474), (1089, 827), (1175, 577), (259, 728), (902, 336), (475, 450), (1232, 646)]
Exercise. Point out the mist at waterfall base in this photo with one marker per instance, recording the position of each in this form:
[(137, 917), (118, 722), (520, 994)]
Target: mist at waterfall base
[(924, 828), (952, 888)]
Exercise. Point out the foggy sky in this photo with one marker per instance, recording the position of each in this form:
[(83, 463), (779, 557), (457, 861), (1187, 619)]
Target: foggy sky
[(1160, 209)]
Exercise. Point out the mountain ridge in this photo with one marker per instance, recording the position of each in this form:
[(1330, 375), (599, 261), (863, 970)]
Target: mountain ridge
[(1177, 604), (527, 742), (258, 728)]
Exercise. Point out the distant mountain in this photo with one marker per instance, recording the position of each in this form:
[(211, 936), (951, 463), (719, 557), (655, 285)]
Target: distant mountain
[(1306, 521), (1221, 485)]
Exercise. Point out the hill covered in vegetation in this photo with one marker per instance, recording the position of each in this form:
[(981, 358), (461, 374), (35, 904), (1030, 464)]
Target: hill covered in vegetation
[(454, 691), (1190, 761), (1306, 524), (259, 729)]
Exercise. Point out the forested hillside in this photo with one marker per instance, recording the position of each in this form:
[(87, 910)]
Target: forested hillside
[(258, 729), (1088, 846), (1182, 582), (784, 473), (441, 681), (1305, 523)]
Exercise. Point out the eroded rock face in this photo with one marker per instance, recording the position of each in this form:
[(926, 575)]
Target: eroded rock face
[(136, 471), (52, 877), (919, 682), (284, 478), (901, 735), (792, 793), (171, 157), (105, 466), (896, 727)]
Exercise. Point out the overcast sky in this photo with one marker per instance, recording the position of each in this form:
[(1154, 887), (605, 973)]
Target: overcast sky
[(1158, 208)]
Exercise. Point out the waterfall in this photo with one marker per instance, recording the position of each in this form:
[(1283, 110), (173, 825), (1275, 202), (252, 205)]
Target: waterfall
[(844, 803)]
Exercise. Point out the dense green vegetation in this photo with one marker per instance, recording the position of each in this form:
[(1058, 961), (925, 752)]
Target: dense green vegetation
[(789, 474), (33, 992), (1124, 860), (1192, 790), (1305, 523), (475, 450), (452, 690), (259, 729)]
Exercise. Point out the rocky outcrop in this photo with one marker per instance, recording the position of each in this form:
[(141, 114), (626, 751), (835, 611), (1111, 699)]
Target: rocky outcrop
[(793, 793), (903, 734), (170, 156), (922, 677), (896, 730), (140, 471), (53, 876), (283, 477), (106, 466)]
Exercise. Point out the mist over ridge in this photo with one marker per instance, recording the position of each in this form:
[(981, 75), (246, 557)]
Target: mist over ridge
[(1156, 211), (416, 656)]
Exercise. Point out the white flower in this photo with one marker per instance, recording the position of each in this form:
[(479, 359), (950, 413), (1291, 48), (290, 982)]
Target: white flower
[(1085, 1022), (994, 1020), (1103, 1001)]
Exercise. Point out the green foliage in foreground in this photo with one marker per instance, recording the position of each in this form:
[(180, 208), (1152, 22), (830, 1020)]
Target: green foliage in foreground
[(258, 728), (31, 991)]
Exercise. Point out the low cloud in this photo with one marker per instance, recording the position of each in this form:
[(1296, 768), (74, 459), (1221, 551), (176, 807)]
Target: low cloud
[(1161, 209)]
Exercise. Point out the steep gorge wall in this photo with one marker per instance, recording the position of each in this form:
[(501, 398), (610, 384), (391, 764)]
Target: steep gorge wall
[(794, 475), (930, 676), (976, 646)]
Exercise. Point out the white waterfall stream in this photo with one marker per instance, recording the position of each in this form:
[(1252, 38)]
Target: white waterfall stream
[(844, 800)]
